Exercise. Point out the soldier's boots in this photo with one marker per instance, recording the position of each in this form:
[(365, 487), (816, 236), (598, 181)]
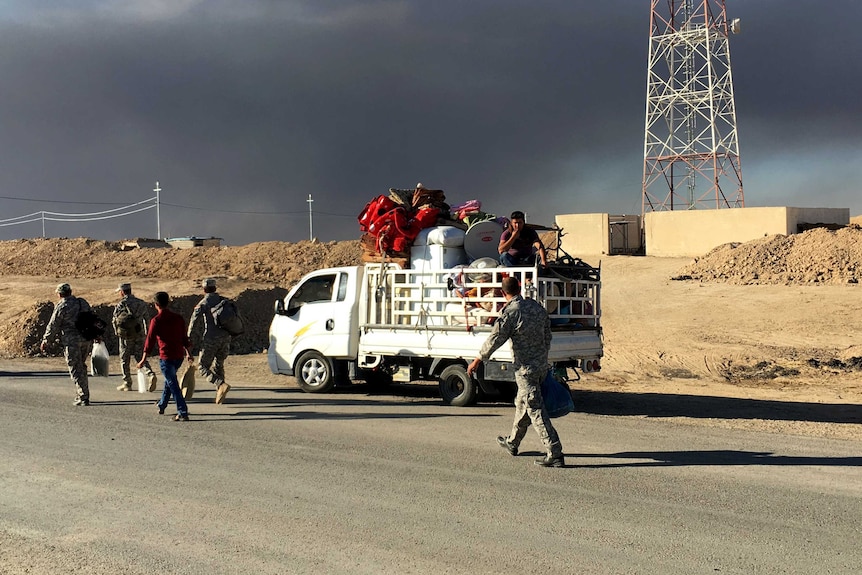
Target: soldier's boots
[(504, 443), (551, 461), (125, 387)]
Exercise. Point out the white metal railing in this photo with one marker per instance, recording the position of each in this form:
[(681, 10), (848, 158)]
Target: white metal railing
[(469, 297)]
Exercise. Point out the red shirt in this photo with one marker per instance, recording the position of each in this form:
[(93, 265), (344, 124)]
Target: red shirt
[(169, 329)]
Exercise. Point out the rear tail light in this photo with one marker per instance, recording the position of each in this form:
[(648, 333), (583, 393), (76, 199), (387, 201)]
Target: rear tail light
[(591, 365)]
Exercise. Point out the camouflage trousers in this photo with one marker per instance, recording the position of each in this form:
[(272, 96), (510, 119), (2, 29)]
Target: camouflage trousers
[(211, 360), (132, 348), (530, 408), (76, 358)]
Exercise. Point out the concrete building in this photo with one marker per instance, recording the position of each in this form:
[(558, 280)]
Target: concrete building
[(687, 233)]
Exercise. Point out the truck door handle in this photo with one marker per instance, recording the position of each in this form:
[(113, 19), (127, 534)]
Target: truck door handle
[(330, 324)]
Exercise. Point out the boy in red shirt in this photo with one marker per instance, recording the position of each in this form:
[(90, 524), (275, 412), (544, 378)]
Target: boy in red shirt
[(168, 331)]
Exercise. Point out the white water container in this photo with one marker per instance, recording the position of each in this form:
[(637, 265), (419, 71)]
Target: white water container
[(436, 257)]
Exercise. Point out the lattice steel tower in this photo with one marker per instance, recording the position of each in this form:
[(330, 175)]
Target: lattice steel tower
[(691, 149)]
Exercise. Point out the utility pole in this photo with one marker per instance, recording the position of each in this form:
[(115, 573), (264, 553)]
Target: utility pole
[(691, 148), (157, 189), (310, 222)]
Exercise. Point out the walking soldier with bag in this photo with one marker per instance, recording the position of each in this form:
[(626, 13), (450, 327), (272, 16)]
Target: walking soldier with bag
[(130, 320), (214, 322), (76, 336), (527, 324)]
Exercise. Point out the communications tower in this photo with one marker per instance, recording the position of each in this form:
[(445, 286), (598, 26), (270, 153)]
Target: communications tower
[(691, 148)]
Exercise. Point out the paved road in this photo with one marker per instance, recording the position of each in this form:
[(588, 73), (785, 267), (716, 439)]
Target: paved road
[(277, 481)]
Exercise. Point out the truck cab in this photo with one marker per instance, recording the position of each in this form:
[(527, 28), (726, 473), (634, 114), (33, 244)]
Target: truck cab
[(315, 324)]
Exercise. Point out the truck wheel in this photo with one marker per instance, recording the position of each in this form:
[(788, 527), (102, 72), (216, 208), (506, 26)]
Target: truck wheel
[(314, 373), (456, 387)]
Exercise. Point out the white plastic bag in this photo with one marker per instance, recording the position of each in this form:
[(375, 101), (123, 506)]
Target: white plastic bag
[(448, 236), (99, 359), (142, 381)]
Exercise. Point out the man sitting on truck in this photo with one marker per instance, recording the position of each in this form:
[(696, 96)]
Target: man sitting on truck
[(519, 245), (527, 324)]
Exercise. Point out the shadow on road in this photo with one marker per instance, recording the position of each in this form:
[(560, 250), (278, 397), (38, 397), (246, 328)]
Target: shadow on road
[(707, 458), (677, 405), (589, 402), (319, 415), (23, 374)]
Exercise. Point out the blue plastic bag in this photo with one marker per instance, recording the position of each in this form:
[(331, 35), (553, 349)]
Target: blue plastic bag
[(557, 396)]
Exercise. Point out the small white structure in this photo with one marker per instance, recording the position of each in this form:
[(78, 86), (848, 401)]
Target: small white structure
[(194, 242)]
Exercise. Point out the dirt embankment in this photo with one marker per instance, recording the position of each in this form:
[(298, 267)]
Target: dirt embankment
[(254, 275), (257, 274), (818, 256), (278, 263)]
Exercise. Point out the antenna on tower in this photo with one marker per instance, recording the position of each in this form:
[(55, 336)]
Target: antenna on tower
[(691, 148), (736, 26)]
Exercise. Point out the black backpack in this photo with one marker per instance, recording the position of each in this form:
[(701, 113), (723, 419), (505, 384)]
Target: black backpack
[(226, 316), (89, 325)]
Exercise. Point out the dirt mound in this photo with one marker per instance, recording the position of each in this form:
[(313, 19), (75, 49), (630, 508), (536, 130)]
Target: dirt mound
[(817, 256), (281, 263)]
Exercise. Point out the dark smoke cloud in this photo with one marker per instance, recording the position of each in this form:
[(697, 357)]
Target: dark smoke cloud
[(252, 106)]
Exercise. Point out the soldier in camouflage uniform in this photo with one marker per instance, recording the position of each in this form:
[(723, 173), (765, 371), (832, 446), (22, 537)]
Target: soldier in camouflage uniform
[(526, 323), (75, 347), (132, 340), (214, 344)]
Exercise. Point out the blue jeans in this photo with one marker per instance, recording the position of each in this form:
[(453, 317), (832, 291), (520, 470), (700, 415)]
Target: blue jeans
[(172, 386), (510, 261)]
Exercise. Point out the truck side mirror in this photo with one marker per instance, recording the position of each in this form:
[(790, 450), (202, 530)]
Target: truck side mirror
[(292, 307), (279, 307)]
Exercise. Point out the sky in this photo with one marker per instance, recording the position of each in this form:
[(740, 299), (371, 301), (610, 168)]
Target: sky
[(241, 109)]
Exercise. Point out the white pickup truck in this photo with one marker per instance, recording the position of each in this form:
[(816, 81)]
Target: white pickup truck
[(380, 323)]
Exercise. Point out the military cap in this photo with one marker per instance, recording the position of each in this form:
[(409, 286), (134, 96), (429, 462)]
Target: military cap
[(64, 289), (209, 282), (125, 287)]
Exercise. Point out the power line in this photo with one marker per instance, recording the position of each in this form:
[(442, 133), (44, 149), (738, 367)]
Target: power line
[(61, 201), (255, 213), (92, 219), (44, 216), (130, 209), (197, 208), (103, 212)]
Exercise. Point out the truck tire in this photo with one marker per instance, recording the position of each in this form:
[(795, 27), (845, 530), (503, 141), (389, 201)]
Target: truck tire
[(456, 387), (314, 373)]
